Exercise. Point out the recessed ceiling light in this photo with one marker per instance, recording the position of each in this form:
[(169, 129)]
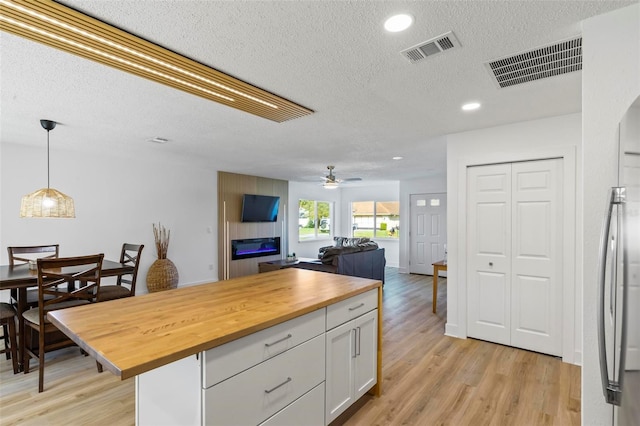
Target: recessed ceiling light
[(397, 158), (398, 23), (470, 106)]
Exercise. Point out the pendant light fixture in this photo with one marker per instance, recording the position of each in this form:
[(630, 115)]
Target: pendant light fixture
[(47, 202)]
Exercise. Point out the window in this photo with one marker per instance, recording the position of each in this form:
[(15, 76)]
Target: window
[(375, 219), (314, 220)]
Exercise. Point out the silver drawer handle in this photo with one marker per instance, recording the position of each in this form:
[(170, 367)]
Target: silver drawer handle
[(356, 307), (268, 345), (280, 385)]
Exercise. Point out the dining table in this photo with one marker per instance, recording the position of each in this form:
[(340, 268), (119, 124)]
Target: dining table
[(21, 277)]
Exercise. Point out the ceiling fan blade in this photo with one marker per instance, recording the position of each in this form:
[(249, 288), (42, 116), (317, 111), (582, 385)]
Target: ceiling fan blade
[(354, 179)]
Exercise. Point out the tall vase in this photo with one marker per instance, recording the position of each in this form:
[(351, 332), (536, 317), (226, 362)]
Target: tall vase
[(162, 275)]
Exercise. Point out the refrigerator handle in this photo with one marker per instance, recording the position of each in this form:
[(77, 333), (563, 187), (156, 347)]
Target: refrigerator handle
[(611, 389)]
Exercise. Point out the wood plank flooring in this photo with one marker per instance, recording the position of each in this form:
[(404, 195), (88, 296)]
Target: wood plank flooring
[(428, 378)]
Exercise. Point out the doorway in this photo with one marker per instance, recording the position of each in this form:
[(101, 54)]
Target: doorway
[(428, 233)]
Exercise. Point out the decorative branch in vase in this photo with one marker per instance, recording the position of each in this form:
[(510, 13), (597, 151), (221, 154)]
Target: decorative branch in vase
[(162, 237), (163, 274)]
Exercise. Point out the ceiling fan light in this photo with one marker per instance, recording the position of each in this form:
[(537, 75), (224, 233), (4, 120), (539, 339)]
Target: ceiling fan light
[(330, 185), (47, 202)]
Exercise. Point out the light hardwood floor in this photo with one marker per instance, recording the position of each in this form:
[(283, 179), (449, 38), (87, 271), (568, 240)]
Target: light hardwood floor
[(428, 378)]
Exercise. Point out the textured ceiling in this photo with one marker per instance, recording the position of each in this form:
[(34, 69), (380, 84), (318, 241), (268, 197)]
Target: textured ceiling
[(334, 57)]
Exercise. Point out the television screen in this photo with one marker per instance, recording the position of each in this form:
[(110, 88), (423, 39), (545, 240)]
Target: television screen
[(260, 208)]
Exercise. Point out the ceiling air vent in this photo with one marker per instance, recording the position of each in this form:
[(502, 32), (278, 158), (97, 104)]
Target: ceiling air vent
[(548, 61), (446, 41)]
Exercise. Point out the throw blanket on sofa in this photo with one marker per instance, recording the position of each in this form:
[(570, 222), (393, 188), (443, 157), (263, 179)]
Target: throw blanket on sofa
[(344, 245)]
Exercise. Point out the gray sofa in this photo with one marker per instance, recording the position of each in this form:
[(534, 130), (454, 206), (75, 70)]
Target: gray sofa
[(357, 257)]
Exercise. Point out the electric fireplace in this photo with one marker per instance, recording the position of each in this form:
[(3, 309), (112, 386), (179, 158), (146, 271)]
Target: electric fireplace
[(254, 247)]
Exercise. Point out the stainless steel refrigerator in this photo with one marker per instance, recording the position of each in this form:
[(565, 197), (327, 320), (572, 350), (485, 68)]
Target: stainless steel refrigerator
[(619, 281)]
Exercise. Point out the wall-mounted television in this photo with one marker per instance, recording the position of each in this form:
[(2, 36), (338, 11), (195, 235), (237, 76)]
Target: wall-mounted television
[(259, 208)]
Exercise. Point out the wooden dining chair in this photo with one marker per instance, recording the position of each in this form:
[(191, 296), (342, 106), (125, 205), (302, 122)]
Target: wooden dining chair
[(8, 321), (23, 254), (125, 285), (52, 274)]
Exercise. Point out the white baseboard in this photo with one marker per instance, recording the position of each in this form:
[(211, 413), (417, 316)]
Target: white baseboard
[(452, 330)]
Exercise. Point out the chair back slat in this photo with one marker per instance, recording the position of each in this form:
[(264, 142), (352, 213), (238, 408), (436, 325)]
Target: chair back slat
[(55, 275), (130, 254), (16, 253)]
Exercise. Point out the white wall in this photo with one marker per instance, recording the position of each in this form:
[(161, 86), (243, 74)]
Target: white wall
[(547, 138), (433, 185), (117, 200), (610, 83)]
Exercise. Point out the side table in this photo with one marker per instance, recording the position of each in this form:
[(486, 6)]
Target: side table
[(438, 266)]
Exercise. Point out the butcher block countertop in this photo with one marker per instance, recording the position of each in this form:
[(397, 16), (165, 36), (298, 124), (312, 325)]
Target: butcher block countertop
[(137, 334)]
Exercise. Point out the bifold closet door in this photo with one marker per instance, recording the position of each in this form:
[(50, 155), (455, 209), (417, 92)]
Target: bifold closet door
[(515, 254), (489, 256)]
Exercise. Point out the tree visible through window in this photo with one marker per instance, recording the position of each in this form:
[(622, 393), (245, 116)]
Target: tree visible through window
[(314, 220), (375, 219)]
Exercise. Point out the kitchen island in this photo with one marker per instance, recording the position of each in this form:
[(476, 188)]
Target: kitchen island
[(194, 350)]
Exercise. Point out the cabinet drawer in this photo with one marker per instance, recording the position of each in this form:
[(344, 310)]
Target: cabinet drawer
[(224, 361), (258, 393), (353, 307), (308, 410)]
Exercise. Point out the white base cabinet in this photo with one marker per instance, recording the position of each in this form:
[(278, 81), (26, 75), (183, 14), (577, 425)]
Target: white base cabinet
[(351, 362), (258, 393), (170, 395), (308, 410), (305, 371)]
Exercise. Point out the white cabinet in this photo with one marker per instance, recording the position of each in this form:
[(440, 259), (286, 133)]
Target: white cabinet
[(258, 393), (351, 357), (308, 410), (170, 395), (306, 370), (227, 360)]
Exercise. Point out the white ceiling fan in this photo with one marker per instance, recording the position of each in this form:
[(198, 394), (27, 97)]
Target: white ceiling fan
[(331, 182)]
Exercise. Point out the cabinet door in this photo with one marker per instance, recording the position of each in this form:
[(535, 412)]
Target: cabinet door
[(366, 347), (170, 395), (339, 369)]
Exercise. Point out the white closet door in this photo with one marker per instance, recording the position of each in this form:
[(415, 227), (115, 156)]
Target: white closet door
[(536, 271), (514, 274), (489, 253)]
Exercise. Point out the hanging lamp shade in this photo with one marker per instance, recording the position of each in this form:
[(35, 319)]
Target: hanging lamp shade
[(47, 202)]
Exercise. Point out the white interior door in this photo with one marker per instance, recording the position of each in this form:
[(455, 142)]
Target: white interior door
[(536, 271), (428, 231), (515, 254), (489, 258)]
